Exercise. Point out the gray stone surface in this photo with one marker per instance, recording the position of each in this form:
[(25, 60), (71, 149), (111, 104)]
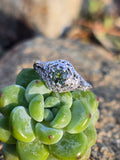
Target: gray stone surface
[(95, 64)]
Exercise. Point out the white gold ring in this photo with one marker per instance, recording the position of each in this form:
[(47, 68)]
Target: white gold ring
[(60, 76)]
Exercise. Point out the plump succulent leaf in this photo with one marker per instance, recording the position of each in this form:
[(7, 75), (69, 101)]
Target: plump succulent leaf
[(34, 88), (21, 124), (36, 108), (62, 118), (11, 97), (48, 115), (32, 151), (70, 147), (80, 118), (95, 117), (9, 152), (86, 97), (55, 94), (55, 126), (91, 134), (52, 101), (55, 110), (25, 76), (5, 134), (86, 155), (51, 157), (66, 99), (48, 135)]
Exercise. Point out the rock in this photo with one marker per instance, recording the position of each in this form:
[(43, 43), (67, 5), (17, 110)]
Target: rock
[(50, 18), (96, 66)]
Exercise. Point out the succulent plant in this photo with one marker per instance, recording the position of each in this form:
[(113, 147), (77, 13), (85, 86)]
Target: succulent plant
[(40, 124)]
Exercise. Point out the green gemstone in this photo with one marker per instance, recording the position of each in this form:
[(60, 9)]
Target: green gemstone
[(59, 76)]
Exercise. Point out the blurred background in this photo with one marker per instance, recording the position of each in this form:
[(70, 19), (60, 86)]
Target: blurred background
[(85, 32), (92, 21)]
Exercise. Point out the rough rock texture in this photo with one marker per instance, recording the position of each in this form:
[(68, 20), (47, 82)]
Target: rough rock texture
[(95, 65), (48, 17)]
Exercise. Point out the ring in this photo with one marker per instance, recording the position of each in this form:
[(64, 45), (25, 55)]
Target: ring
[(60, 76)]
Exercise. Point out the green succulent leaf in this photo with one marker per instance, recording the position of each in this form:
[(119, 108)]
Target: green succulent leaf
[(48, 115), (36, 108), (34, 88), (39, 124), (95, 117), (80, 118), (12, 96), (32, 151), (70, 147), (88, 98), (66, 99), (21, 124), (5, 134), (62, 118), (91, 134), (51, 157), (9, 151), (48, 135), (25, 76), (51, 102)]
